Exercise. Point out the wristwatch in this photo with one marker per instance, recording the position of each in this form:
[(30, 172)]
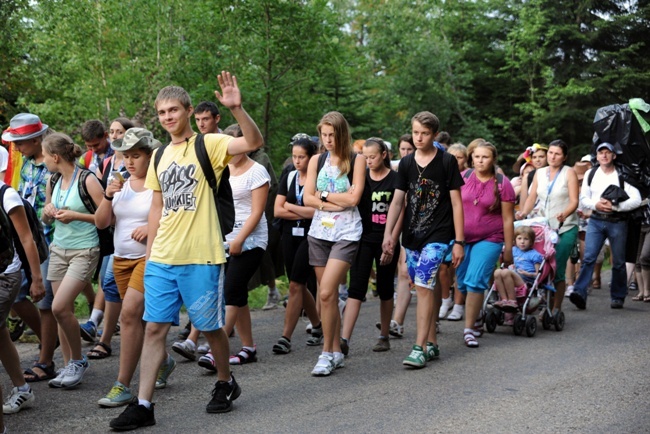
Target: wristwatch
[(323, 195), (460, 243)]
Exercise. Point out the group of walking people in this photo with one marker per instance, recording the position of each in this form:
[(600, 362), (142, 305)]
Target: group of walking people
[(445, 215)]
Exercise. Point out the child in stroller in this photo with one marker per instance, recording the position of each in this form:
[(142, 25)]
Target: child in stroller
[(512, 283)]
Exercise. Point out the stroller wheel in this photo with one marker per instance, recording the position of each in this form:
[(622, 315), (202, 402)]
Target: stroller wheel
[(518, 325), (531, 326), (558, 319), (491, 321), (547, 321)]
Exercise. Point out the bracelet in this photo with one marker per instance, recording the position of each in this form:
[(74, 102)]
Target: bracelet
[(108, 198), (460, 243), (322, 204)]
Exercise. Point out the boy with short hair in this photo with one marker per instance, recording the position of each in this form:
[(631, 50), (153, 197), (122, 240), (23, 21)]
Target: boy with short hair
[(95, 137), (430, 181), (184, 249)]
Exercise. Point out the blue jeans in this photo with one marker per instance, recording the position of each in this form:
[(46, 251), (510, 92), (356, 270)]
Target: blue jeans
[(597, 232)]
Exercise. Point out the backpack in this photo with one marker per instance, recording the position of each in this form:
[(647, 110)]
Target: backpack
[(468, 172), (636, 214), (106, 246), (36, 228), (221, 191), (365, 204), (7, 250)]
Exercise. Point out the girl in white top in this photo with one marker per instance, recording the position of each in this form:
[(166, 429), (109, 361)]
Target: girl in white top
[(127, 203)]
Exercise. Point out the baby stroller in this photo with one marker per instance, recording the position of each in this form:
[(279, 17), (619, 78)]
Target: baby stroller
[(538, 294)]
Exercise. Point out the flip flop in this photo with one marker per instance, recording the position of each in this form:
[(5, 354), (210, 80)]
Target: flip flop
[(98, 354), (639, 297), (49, 372)]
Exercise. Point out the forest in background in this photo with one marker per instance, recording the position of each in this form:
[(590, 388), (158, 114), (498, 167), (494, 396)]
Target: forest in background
[(515, 72)]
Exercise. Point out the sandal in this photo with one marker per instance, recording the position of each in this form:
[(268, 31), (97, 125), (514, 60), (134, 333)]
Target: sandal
[(646, 299), (283, 346), (639, 297), (32, 376), (477, 331), (243, 356), (596, 284), (99, 354), (470, 340)]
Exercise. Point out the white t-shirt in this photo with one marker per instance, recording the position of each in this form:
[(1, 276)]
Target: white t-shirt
[(11, 201), (242, 194), (131, 210)]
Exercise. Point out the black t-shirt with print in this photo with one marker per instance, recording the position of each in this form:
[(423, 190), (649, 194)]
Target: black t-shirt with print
[(429, 214), (382, 193), (290, 193)]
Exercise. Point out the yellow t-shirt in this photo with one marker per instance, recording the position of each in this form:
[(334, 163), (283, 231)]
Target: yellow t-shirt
[(189, 231)]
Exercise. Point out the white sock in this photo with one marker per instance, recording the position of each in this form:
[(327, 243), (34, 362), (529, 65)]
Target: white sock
[(96, 316), (191, 344), (251, 349), (467, 331), (24, 388), (328, 354), (144, 403), (338, 355)]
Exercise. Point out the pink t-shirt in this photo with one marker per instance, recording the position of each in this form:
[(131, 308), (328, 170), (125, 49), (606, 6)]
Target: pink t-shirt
[(478, 197)]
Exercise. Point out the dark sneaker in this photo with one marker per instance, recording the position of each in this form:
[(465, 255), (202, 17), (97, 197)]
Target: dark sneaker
[(88, 331), (345, 346), (135, 416), (617, 304), (223, 395), (578, 300)]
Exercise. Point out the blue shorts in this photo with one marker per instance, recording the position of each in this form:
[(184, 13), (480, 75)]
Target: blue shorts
[(46, 302), (423, 264), (475, 271), (109, 286), (199, 287)]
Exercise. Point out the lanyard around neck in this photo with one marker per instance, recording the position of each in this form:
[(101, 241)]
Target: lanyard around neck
[(67, 193)]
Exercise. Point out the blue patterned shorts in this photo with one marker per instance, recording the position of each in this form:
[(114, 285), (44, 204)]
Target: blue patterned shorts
[(423, 264)]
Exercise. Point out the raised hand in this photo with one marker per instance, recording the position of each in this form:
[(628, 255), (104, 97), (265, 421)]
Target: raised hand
[(230, 95)]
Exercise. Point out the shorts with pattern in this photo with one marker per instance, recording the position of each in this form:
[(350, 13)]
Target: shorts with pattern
[(423, 264)]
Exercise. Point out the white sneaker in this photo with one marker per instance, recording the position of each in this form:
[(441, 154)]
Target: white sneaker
[(338, 360), (395, 329), (324, 366), (185, 349), (272, 300), (203, 349), (18, 400), (447, 303), (568, 291), (456, 313), (74, 373)]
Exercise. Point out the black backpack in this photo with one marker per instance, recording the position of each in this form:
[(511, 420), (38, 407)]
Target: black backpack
[(365, 204), (221, 191), (6, 240), (106, 246)]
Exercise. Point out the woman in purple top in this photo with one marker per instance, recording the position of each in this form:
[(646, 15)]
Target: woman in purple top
[(488, 205)]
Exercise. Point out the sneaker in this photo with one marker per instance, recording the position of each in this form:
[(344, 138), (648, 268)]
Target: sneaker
[(272, 301), (395, 329), (338, 360), (183, 334), (73, 373), (616, 304), (316, 337), (165, 371), (578, 300), (416, 359), (324, 366), (345, 346), (382, 345), (185, 349), (88, 331), (223, 394), (207, 361), (447, 304), (203, 349), (119, 395), (16, 327), (56, 381), (18, 400), (433, 352), (308, 328), (134, 416), (456, 313)]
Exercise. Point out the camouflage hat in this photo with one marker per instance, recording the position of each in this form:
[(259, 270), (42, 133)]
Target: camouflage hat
[(135, 138)]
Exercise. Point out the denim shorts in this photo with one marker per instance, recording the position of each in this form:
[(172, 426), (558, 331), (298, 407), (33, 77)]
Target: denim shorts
[(198, 286), (423, 264), (109, 286)]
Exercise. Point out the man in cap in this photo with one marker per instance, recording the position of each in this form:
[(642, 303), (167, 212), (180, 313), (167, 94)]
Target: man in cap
[(26, 131), (608, 220)]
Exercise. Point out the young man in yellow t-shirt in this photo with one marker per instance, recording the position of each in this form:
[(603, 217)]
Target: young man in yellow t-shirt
[(185, 255)]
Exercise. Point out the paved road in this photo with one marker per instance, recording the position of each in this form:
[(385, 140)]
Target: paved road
[(592, 377)]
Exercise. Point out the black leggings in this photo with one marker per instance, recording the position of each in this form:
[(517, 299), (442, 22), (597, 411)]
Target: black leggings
[(361, 267), (239, 270), (296, 261)]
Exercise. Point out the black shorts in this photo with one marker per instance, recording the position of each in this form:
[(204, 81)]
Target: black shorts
[(238, 272), (360, 272)]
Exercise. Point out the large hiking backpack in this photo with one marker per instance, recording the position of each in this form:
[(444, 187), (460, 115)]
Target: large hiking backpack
[(106, 246), (365, 204), (221, 191)]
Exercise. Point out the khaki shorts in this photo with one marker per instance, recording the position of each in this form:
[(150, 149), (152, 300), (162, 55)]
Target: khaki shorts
[(76, 263), (129, 273), (9, 288), (320, 251)]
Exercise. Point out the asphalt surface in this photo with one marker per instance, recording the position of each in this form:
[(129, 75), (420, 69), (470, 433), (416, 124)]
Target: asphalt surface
[(592, 377)]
